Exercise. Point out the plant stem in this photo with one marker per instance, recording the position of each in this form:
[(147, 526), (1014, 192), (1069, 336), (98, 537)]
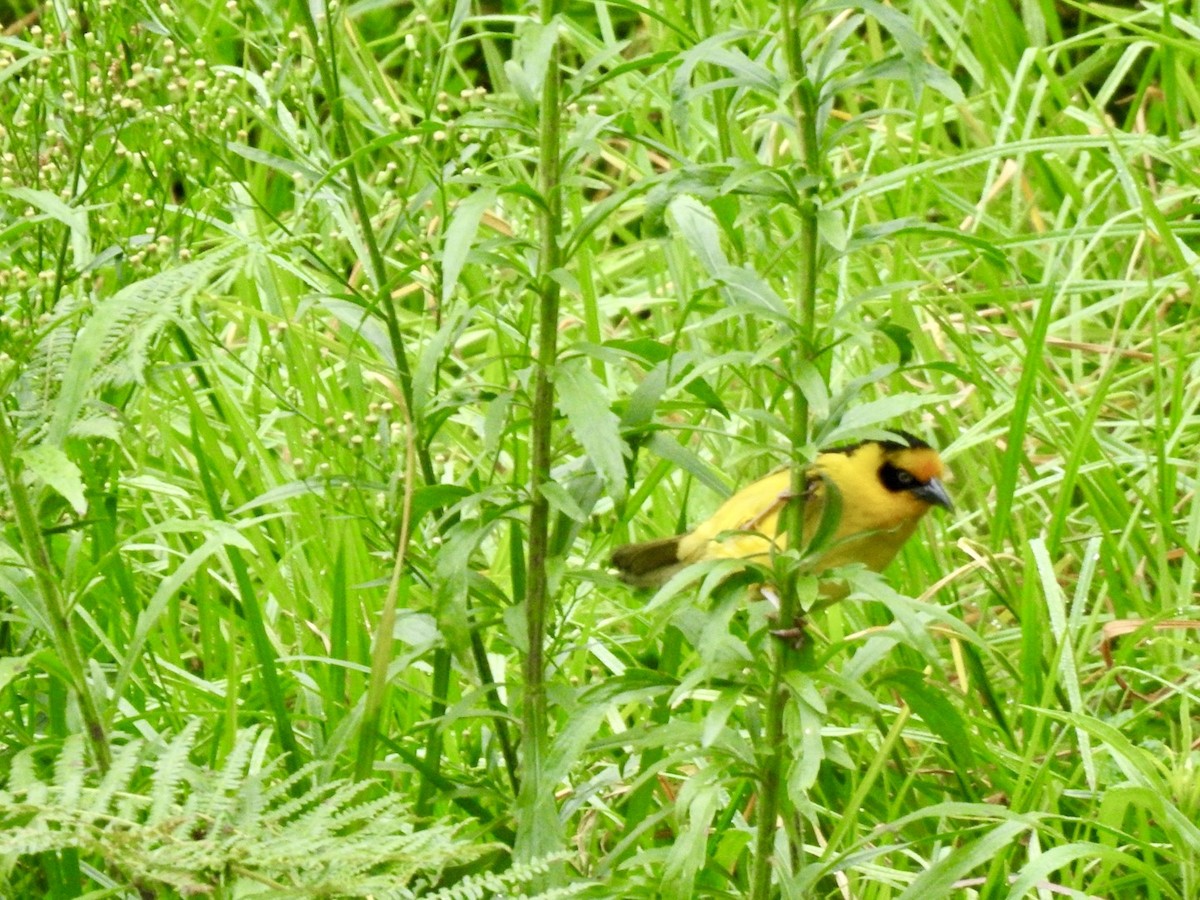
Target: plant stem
[(381, 649), (772, 781), (330, 83), (38, 558), (538, 831), (382, 302)]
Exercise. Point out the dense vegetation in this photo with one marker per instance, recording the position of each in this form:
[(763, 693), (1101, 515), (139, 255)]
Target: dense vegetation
[(338, 348)]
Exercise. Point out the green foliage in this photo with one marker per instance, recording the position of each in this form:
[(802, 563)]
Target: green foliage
[(243, 829), (270, 348)]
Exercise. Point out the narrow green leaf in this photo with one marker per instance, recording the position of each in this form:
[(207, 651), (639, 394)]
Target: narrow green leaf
[(937, 712), (1052, 595), (1144, 770), (662, 444), (886, 411), (697, 225), (804, 723), (57, 471), (73, 217), (12, 667), (561, 501), (831, 224), (582, 400), (1023, 397), (283, 164), (460, 235), (940, 879)]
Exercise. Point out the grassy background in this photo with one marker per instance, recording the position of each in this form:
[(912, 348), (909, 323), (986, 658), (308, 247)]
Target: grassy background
[(270, 296)]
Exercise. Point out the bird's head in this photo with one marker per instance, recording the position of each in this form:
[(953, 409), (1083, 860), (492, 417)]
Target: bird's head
[(914, 468), (890, 482)]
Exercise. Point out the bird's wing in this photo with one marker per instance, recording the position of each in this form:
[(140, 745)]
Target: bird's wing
[(755, 508)]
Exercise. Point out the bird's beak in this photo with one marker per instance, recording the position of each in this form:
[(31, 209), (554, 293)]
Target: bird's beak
[(934, 493)]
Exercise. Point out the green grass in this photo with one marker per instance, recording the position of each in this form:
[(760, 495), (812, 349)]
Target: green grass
[(281, 507)]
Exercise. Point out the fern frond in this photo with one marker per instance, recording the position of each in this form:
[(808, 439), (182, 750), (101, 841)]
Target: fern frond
[(23, 778), (170, 769), (493, 884), (155, 817), (117, 778), (112, 348), (69, 770), (41, 375)]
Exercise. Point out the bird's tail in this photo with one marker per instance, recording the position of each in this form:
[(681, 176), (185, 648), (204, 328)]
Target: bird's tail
[(648, 564)]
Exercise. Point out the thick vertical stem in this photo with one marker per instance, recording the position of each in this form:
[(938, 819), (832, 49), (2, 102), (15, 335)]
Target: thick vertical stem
[(538, 829), (774, 761)]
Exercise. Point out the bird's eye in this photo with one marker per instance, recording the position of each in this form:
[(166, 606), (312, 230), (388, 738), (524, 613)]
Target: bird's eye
[(896, 479)]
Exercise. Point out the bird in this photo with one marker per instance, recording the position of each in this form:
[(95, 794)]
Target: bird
[(885, 488)]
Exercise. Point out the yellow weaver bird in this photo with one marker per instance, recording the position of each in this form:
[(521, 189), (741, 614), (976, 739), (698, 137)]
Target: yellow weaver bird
[(885, 488)]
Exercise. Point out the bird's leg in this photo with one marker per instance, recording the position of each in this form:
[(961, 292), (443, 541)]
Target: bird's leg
[(794, 635), (753, 523), (771, 597)]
